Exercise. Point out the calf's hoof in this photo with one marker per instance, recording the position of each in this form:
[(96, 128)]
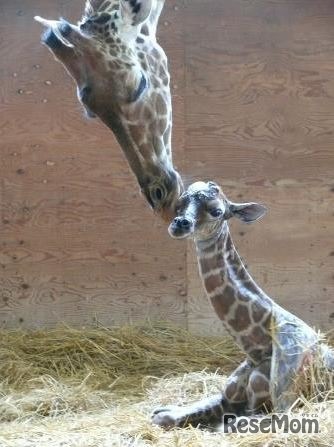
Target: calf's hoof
[(167, 417)]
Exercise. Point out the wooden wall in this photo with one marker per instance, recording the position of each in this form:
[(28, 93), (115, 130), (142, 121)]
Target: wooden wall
[(253, 94)]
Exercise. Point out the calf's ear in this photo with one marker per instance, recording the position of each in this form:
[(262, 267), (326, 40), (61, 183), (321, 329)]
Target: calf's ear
[(247, 212)]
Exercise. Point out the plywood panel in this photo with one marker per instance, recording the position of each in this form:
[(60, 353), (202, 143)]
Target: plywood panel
[(253, 86), (259, 119), (82, 292), (78, 242)]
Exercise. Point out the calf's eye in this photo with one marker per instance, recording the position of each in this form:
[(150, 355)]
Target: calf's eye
[(216, 212)]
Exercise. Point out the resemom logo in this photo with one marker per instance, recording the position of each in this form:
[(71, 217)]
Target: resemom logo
[(275, 423)]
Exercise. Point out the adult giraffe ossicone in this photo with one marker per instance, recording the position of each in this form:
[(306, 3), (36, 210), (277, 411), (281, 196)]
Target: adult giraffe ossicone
[(122, 77), (277, 344)]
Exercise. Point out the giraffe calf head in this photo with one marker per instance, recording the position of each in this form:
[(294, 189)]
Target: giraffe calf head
[(203, 208)]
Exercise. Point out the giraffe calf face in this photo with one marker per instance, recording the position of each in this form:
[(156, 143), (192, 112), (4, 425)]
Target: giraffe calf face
[(200, 211), (203, 208)]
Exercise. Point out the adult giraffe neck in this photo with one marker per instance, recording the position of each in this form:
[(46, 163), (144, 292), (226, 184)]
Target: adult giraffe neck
[(239, 302)]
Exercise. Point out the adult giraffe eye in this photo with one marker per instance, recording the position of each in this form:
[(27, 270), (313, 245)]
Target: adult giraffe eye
[(142, 86), (216, 212), (158, 194)]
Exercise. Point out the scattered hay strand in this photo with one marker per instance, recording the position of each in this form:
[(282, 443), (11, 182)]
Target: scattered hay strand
[(97, 387), (109, 358)]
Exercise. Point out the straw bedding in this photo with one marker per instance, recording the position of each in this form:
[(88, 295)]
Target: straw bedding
[(97, 387)]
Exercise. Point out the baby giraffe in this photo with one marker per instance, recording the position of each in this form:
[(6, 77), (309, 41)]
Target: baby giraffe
[(277, 344)]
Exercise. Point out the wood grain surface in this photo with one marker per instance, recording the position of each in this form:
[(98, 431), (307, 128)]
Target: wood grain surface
[(260, 120), (253, 96), (78, 242)]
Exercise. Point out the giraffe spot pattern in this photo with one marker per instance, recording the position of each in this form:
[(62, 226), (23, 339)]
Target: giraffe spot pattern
[(231, 390), (213, 282), (207, 264), (256, 355), (102, 18), (106, 5), (138, 133), (222, 304), (145, 30), (241, 318), (147, 114), (162, 125), (257, 311), (135, 6), (160, 105), (146, 150), (155, 83), (101, 23), (256, 338)]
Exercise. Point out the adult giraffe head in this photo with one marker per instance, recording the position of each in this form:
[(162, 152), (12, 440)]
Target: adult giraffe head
[(122, 77)]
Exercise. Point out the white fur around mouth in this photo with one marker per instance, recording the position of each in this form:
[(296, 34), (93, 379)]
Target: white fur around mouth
[(181, 236)]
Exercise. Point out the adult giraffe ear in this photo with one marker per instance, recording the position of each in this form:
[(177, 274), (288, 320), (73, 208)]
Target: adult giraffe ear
[(135, 12), (247, 212)]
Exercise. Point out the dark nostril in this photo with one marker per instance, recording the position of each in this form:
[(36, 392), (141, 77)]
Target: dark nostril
[(182, 222), (185, 223), (50, 39), (65, 28)]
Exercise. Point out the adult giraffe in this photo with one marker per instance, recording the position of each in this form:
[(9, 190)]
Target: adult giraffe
[(122, 77)]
